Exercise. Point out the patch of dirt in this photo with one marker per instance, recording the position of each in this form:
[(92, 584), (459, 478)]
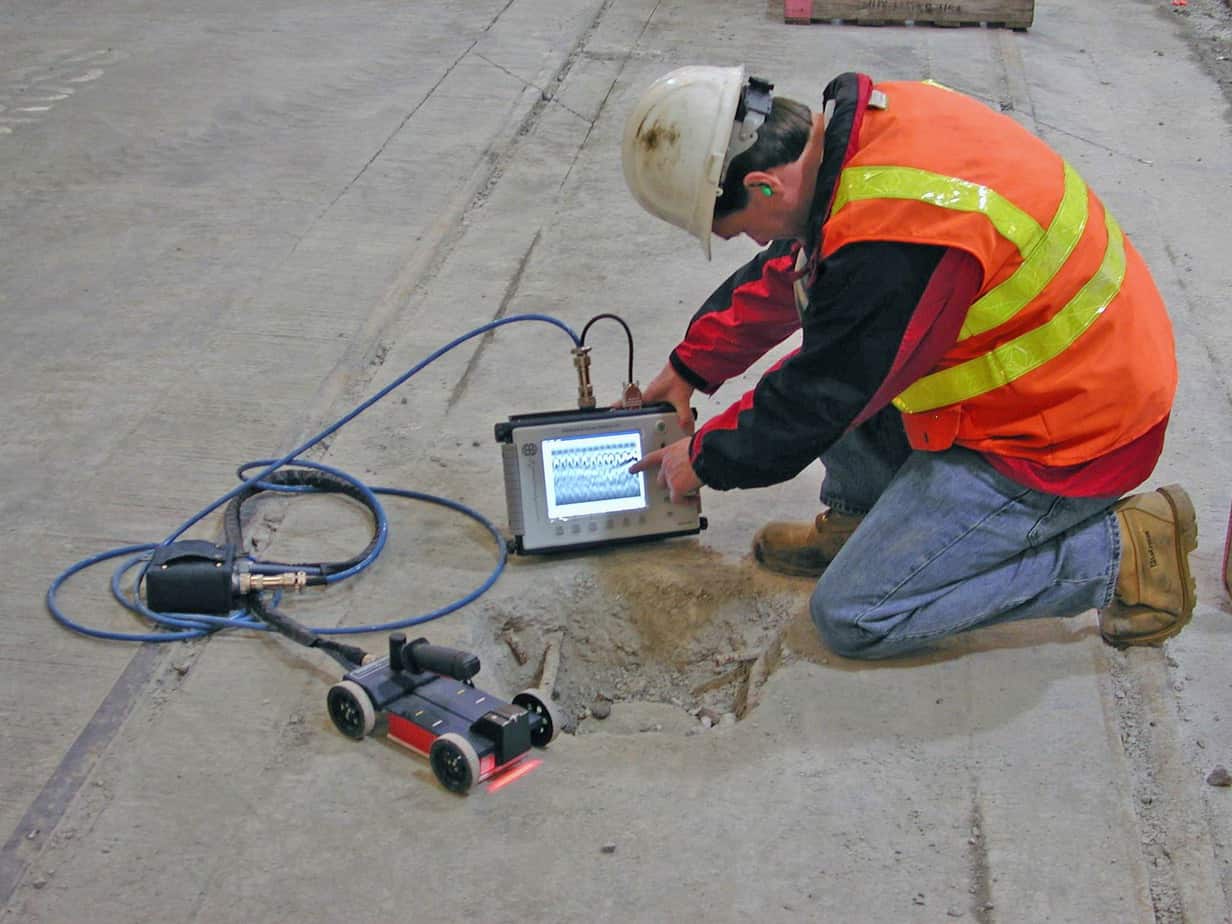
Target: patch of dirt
[(684, 626)]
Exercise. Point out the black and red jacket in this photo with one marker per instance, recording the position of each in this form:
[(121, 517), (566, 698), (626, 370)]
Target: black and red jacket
[(879, 316), (860, 302)]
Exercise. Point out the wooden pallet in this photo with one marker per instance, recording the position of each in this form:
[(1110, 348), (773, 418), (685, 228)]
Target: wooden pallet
[(1009, 14)]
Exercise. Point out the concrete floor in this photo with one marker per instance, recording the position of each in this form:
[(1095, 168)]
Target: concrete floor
[(222, 225)]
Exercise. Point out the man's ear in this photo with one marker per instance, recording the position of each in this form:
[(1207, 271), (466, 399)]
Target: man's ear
[(759, 184)]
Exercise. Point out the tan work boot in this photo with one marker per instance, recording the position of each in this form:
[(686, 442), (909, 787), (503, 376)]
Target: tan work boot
[(804, 549), (1155, 593)]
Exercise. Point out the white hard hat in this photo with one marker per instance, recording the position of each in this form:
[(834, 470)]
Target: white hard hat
[(681, 136)]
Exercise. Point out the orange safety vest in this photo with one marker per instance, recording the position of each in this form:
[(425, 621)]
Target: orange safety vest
[(1067, 352)]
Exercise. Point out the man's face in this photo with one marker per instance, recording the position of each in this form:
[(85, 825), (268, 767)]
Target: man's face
[(758, 223), (765, 217)]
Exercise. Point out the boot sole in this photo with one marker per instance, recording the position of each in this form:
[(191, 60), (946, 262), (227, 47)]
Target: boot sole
[(1187, 541), (789, 570)]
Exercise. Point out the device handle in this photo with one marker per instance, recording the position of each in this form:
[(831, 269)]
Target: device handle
[(419, 656)]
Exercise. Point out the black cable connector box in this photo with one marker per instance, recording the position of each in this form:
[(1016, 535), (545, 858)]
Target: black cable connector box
[(191, 576)]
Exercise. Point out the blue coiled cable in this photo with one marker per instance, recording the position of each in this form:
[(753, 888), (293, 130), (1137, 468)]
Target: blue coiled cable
[(185, 626)]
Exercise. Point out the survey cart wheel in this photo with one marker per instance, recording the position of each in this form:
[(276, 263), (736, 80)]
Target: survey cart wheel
[(351, 709), (455, 762), (539, 702)]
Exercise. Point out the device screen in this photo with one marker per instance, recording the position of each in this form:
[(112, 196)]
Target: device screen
[(590, 474)]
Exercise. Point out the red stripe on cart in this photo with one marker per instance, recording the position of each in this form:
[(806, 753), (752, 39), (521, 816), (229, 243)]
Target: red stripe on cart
[(408, 734)]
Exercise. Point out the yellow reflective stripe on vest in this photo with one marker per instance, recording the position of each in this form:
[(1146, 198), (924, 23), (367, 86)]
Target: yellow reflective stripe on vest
[(947, 192), (1043, 252), (1039, 266), (1029, 351)]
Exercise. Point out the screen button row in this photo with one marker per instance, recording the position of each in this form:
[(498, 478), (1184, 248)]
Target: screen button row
[(593, 525)]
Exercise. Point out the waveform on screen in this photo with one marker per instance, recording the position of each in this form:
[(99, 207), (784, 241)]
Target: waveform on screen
[(584, 474)]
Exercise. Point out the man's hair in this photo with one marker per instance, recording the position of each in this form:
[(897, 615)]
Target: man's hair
[(780, 140)]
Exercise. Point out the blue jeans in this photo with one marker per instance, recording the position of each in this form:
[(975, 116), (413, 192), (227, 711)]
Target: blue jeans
[(948, 544)]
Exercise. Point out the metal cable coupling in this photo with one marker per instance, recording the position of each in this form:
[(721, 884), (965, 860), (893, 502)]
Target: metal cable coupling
[(288, 580), (586, 392)]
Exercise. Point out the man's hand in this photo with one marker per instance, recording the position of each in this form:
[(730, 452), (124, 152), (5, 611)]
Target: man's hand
[(675, 470), (670, 387)]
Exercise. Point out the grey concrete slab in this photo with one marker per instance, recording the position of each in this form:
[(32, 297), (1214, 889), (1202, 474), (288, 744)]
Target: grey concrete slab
[(142, 265), (241, 221)]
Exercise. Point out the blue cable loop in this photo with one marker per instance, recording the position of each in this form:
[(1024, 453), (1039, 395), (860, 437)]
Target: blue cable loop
[(186, 626)]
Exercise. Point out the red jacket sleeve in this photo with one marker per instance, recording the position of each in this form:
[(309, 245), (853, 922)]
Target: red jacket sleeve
[(750, 314), (860, 307)]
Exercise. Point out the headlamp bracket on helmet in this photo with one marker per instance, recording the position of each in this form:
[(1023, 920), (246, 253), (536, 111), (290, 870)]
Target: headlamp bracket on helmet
[(756, 101)]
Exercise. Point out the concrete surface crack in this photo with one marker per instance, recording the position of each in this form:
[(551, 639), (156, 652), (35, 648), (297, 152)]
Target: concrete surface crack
[(1014, 74), (31, 834), (1179, 272), (1137, 739), (502, 309), (447, 230), (624, 62), (384, 144), (537, 110), (1095, 144), (548, 96), (495, 19), (981, 878), (1016, 97)]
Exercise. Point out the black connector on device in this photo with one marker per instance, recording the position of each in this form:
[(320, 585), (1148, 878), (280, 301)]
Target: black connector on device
[(419, 657), (191, 576)]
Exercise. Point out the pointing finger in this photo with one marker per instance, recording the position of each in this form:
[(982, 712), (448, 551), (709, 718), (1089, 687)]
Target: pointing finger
[(648, 461)]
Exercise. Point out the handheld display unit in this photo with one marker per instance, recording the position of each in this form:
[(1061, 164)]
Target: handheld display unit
[(567, 481)]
